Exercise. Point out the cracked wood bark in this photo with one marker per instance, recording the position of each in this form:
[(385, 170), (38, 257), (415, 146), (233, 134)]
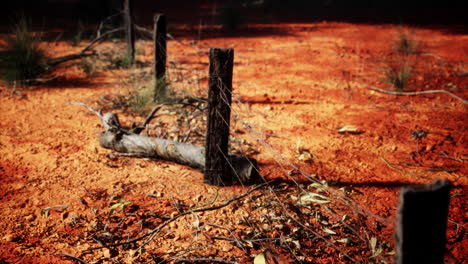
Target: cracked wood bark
[(219, 114), (122, 140)]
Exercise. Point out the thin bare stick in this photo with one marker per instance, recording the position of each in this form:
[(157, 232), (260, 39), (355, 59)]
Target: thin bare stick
[(208, 260), (83, 53), (101, 25), (101, 38), (239, 244), (149, 117), (416, 93), (58, 60), (188, 250), (148, 32), (246, 240), (151, 234), (88, 107), (463, 73), (393, 167), (42, 80), (72, 257)]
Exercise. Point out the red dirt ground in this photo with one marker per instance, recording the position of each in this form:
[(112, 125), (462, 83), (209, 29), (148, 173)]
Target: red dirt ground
[(295, 85)]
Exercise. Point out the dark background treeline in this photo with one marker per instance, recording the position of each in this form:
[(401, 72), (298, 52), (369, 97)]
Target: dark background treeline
[(254, 11)]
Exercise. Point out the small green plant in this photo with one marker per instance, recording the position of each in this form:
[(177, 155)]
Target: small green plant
[(119, 204), (126, 62), (161, 93), (404, 44), (401, 66), (76, 40), (142, 99), (399, 74), (148, 94), (121, 62), (23, 59), (88, 67)]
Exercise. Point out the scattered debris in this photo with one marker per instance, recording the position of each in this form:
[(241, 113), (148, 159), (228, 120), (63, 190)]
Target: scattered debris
[(418, 134), (57, 208), (349, 130)]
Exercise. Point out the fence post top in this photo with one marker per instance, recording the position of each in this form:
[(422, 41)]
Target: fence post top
[(221, 50), (437, 185), (158, 16)]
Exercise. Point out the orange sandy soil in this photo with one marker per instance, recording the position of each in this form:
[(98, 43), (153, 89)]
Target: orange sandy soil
[(294, 85)]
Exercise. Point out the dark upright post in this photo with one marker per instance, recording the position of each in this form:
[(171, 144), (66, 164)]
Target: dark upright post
[(217, 170), (422, 223), (160, 55), (129, 30)]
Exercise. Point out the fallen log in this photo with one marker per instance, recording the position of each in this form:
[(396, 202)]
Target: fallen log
[(244, 170)]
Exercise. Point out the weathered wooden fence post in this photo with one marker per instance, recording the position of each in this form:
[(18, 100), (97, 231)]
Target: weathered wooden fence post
[(160, 55), (217, 169), (422, 223), (129, 31)]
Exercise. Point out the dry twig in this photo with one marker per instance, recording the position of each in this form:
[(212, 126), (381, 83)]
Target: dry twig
[(208, 260), (72, 257), (464, 71), (416, 93), (151, 234), (86, 52), (393, 167)]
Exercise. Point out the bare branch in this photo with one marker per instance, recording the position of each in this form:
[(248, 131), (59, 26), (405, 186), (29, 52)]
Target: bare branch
[(101, 38), (88, 107), (416, 93), (464, 71), (72, 257), (101, 25), (41, 80), (58, 60), (144, 30), (209, 260), (138, 129), (86, 52)]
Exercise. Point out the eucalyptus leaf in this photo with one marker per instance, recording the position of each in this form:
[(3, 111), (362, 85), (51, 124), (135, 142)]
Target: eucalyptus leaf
[(329, 231), (314, 198), (260, 259), (349, 129)]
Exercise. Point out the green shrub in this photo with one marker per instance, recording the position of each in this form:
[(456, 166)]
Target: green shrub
[(76, 40), (22, 58), (399, 74), (161, 93), (151, 92), (120, 62), (142, 99), (88, 67), (404, 44)]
